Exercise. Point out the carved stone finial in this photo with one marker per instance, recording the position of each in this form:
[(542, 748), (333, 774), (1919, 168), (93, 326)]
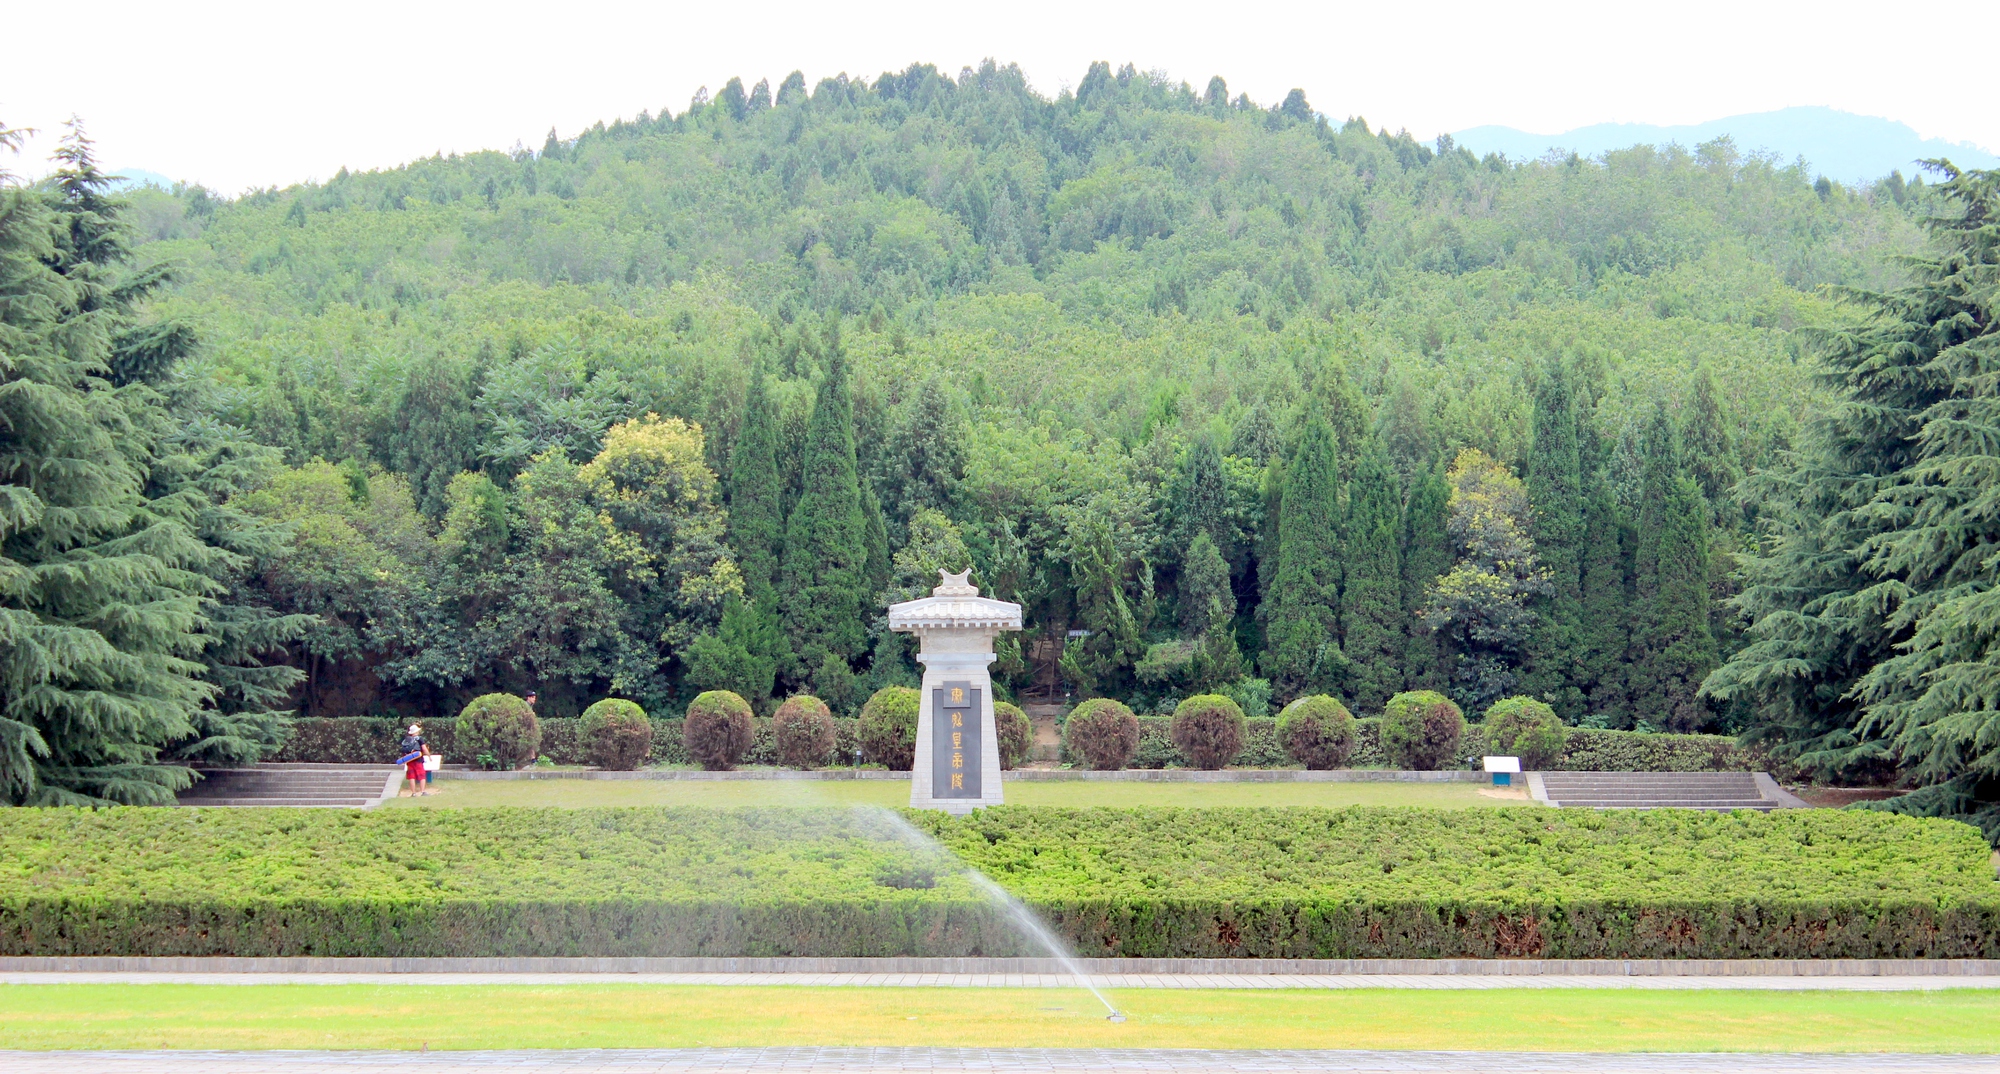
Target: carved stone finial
[(955, 585)]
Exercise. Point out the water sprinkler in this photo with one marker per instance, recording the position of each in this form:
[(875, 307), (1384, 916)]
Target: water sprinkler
[(1115, 1017)]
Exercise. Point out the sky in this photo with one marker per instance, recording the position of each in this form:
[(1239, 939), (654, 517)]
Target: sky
[(239, 95)]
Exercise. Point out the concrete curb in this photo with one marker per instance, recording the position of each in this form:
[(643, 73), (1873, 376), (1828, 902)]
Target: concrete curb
[(1439, 967), (1019, 775)]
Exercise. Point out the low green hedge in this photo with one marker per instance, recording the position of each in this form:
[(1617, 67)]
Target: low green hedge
[(370, 740), (1586, 751), (1306, 883)]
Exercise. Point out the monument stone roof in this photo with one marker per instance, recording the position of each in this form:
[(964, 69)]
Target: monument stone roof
[(954, 604)]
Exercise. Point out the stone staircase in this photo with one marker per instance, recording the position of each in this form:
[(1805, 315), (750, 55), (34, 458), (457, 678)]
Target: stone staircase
[(1662, 790), (333, 786)]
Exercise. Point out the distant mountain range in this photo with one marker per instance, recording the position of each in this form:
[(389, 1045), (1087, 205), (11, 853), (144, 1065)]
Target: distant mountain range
[(130, 178), (1838, 145)]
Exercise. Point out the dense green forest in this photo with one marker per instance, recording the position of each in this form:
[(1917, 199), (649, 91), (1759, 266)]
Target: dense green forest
[(1230, 397)]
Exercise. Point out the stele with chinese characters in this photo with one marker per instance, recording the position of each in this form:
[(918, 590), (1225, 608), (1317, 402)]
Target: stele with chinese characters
[(957, 766)]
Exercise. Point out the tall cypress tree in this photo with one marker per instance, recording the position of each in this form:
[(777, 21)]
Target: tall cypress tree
[(1604, 635), (1424, 555), (1555, 499), (756, 507), (1301, 651), (1371, 598), (1672, 649), (825, 590)]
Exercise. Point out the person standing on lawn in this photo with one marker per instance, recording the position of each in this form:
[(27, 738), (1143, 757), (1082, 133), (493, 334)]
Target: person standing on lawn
[(413, 750)]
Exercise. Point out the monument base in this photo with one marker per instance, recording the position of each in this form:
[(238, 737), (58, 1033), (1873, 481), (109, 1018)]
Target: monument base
[(955, 736)]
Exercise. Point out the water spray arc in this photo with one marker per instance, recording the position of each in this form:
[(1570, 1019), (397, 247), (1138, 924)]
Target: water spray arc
[(1023, 920)]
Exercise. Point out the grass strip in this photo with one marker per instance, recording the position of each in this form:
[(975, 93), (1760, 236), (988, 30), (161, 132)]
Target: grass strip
[(46, 1017)]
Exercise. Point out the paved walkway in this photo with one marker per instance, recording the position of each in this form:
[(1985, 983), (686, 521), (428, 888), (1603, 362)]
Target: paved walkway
[(973, 1061), (1041, 980)]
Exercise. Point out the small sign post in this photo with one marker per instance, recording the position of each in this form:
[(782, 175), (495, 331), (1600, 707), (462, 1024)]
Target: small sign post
[(1504, 769)]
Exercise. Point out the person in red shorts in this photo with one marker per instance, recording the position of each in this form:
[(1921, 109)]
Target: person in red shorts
[(414, 750)]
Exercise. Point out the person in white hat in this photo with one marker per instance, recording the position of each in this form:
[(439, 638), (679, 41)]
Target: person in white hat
[(414, 750)]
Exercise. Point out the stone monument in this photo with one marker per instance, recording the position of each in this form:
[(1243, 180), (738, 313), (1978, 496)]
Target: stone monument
[(957, 766)]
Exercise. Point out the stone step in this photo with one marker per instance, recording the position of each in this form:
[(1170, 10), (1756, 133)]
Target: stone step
[(1760, 805)]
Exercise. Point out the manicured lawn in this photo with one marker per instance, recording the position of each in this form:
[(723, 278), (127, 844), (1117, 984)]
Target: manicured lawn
[(643, 1016), (589, 792)]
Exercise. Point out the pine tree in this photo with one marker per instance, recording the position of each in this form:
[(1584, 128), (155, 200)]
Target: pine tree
[(103, 592), (1556, 501), (1371, 600), (1871, 603), (1672, 649), (825, 590), (756, 506), (1301, 651), (1424, 555)]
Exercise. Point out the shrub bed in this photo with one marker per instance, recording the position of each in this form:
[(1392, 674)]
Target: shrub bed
[(372, 740), (1296, 883)]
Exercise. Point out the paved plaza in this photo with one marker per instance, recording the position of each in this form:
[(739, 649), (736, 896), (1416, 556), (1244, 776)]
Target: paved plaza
[(974, 1061), (1116, 981)]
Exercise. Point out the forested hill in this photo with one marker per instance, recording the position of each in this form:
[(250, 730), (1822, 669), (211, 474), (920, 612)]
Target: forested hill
[(1234, 398), (1093, 256), (1046, 305)]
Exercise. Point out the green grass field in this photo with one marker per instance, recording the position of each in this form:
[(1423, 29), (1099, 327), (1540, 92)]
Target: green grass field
[(660, 792), (643, 1016)]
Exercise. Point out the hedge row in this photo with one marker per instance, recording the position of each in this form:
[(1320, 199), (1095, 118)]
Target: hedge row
[(1306, 883), (371, 740), (368, 740), (1586, 751)]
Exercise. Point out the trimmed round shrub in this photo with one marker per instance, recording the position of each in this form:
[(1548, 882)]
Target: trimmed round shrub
[(1421, 730), (889, 727), (1526, 728), (499, 730), (717, 729), (803, 730), (1102, 732), (616, 734), (1014, 733), (1208, 728), (1317, 732)]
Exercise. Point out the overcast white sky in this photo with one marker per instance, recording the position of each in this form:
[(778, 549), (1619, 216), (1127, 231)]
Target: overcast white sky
[(237, 94)]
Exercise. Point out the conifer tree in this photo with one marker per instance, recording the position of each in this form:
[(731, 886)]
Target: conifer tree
[(756, 509), (1711, 454), (826, 539), (1871, 601), (105, 590), (1200, 501), (1424, 555), (1204, 586), (1672, 649), (1556, 503), (434, 433), (1371, 600), (1604, 635), (1302, 650)]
